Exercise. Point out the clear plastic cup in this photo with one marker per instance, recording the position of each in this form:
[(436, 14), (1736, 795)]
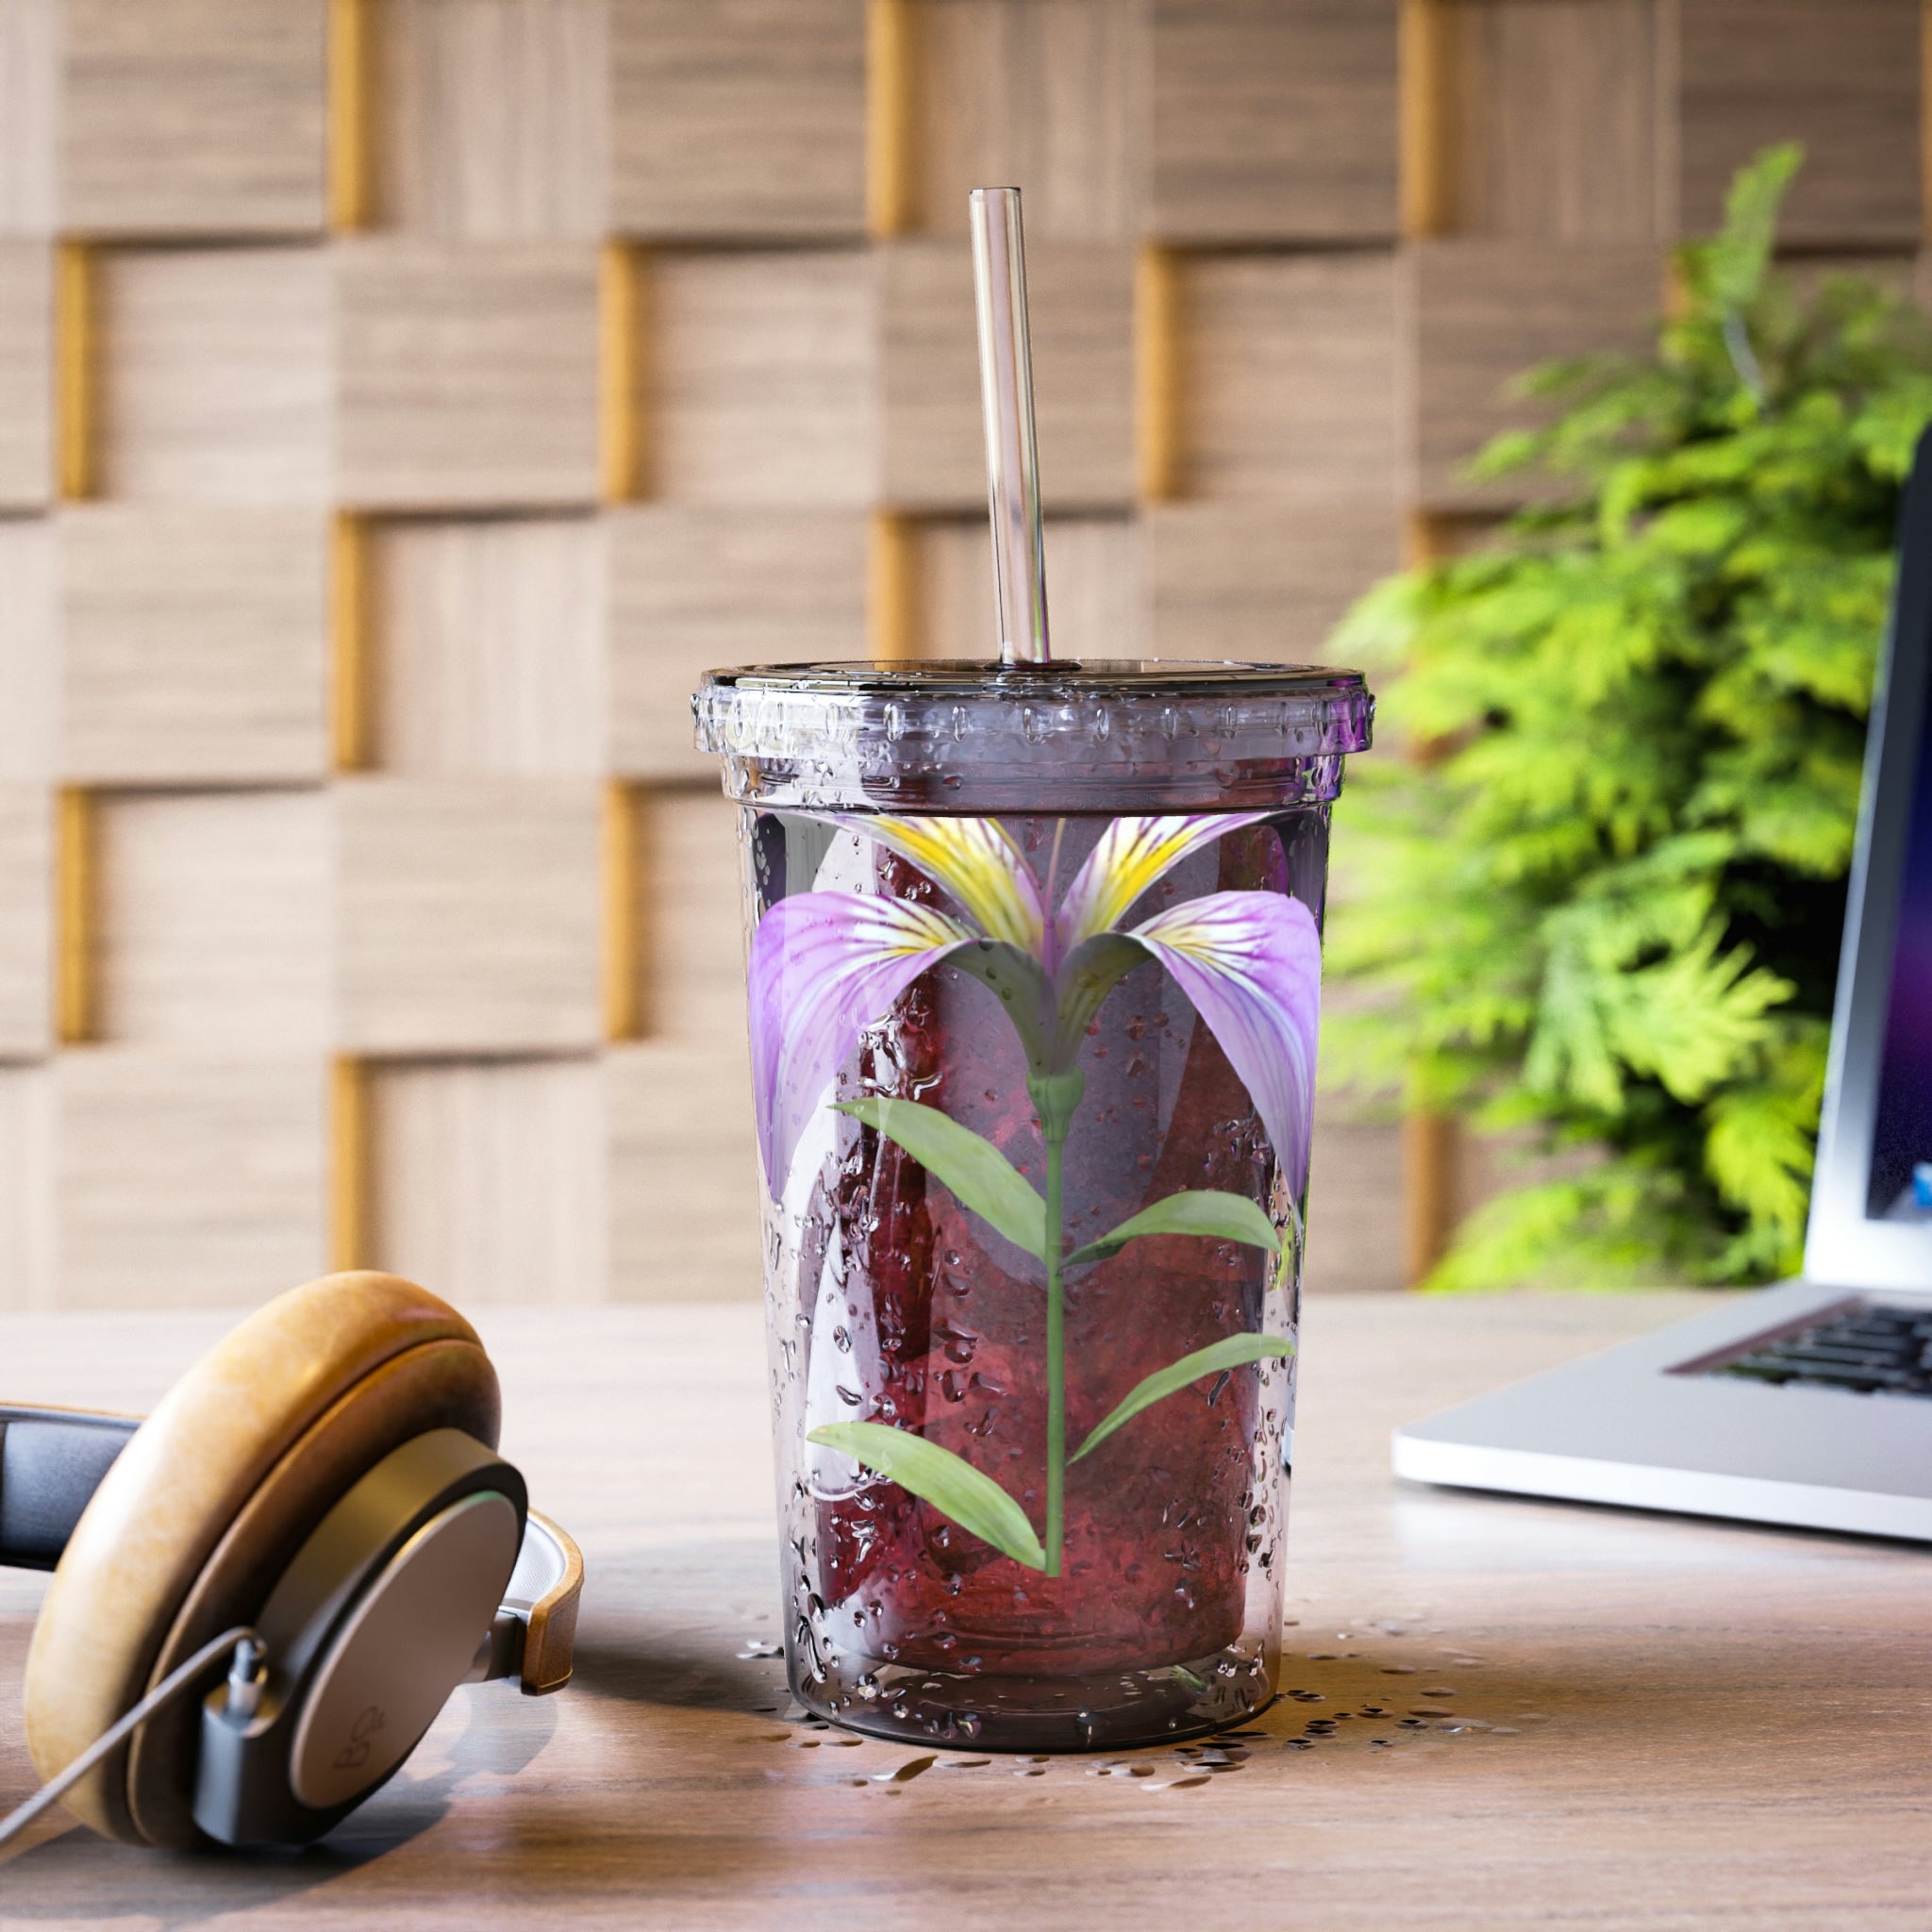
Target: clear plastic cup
[(1034, 971)]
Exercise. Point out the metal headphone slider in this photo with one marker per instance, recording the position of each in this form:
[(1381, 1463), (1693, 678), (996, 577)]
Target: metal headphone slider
[(247, 1675)]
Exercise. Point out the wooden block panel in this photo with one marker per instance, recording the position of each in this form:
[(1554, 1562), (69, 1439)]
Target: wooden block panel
[(193, 117), (1273, 120), (693, 921), (467, 914), (28, 1277), (737, 117), (1242, 580), (186, 1179), (684, 1213), (27, 921), (1355, 1206), (469, 375), (30, 115), (490, 117), (29, 657), (1080, 299), (952, 590), (214, 373), (212, 920), (1092, 582), (1286, 367), (1480, 314), (26, 374), (489, 651), (1842, 77), (1553, 120), (491, 1179), (1046, 94), (192, 643), (693, 590), (761, 378)]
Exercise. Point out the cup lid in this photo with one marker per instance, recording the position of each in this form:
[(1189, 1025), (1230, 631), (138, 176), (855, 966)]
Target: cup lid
[(1071, 735)]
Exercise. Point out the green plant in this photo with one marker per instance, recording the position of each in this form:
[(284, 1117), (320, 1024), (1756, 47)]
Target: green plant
[(1607, 910), (825, 965)]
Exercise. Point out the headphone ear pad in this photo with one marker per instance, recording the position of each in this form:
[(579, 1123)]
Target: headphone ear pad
[(208, 1504)]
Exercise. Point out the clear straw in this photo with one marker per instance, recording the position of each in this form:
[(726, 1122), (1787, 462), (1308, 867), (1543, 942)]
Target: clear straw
[(1005, 392)]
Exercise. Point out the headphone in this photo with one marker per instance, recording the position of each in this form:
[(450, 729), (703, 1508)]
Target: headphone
[(319, 1504)]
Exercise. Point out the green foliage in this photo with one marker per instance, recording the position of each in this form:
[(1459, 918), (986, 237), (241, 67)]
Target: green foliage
[(1608, 912), (1196, 1210), (984, 1181), (1230, 1352), (948, 1482), (980, 1176)]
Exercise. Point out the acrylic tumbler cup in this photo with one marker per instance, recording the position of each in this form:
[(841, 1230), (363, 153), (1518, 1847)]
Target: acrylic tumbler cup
[(1034, 971)]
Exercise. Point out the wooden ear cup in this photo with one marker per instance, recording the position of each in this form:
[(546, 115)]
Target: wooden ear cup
[(208, 1503)]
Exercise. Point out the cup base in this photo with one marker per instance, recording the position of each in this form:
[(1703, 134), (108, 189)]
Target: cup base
[(1108, 1710)]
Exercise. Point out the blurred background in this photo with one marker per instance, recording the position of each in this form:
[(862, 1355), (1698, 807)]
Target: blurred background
[(401, 401)]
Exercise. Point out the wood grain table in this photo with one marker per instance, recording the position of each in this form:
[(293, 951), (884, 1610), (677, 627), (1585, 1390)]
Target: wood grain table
[(1651, 1723)]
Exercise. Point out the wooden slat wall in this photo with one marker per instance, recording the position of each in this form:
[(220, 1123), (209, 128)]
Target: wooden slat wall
[(401, 401)]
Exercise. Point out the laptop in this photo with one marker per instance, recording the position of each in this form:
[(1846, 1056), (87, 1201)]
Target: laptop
[(1809, 1403)]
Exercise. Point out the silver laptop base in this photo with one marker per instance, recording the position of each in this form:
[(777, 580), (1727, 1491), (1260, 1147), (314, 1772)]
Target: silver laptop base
[(1646, 1426)]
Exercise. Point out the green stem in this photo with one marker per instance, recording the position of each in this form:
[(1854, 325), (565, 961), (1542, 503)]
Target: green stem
[(1057, 1097), (1056, 1364)]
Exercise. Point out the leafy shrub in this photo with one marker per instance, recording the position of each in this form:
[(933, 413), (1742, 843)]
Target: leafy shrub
[(1608, 910)]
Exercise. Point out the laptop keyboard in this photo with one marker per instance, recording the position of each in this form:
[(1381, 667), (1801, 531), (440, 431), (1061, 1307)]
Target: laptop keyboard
[(1870, 1349)]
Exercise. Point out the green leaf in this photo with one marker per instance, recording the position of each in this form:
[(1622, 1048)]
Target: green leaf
[(949, 1484), (1229, 1353), (1200, 1211), (977, 1173)]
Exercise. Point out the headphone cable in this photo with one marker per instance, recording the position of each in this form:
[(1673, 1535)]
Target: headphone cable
[(246, 1644)]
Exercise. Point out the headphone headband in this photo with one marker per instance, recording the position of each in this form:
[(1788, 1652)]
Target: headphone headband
[(51, 1462)]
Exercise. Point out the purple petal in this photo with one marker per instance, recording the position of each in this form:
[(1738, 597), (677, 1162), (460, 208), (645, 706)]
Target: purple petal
[(976, 861), (1132, 854), (1251, 962), (824, 967)]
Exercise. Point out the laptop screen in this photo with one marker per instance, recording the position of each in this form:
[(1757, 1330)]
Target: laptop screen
[(1901, 1178), (1872, 1197)]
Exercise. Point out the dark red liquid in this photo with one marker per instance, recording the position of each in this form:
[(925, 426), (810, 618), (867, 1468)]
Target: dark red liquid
[(946, 1336)]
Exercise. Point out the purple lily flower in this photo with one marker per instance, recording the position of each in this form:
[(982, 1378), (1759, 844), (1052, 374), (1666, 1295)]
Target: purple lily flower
[(827, 965)]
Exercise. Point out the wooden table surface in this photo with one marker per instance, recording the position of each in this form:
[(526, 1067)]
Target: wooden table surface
[(1676, 1724)]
